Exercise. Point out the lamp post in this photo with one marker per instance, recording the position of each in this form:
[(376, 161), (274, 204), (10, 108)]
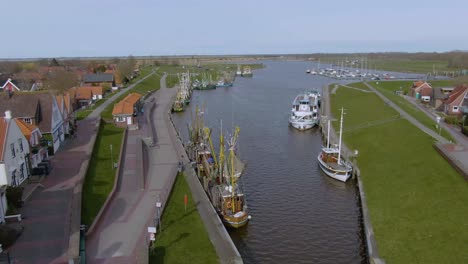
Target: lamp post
[(112, 157), (438, 123)]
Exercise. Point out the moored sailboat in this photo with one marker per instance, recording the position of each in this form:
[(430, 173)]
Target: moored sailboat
[(330, 160)]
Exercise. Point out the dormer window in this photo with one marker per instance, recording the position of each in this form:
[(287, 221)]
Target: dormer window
[(28, 120)]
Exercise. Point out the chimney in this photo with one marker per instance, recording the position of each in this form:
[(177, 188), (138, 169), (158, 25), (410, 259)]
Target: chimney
[(8, 114)]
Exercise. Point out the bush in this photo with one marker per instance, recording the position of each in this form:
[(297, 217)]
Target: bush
[(14, 195), (453, 120), (465, 130), (8, 235)]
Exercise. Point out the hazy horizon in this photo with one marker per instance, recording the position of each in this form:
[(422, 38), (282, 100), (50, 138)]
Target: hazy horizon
[(53, 28)]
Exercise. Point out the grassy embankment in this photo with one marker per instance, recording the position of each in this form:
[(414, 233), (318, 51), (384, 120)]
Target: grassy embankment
[(183, 238), (418, 203), (388, 89), (100, 175), (215, 71)]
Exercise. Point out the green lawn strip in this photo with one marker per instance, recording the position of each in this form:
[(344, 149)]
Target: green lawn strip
[(418, 203), (100, 175), (149, 84), (388, 89), (183, 238)]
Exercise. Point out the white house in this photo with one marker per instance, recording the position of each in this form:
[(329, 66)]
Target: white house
[(33, 135), (14, 152)]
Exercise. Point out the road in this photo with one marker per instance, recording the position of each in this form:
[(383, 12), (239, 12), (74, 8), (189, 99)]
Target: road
[(52, 214)]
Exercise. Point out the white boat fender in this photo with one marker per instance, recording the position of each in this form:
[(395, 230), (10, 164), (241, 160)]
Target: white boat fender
[(249, 217)]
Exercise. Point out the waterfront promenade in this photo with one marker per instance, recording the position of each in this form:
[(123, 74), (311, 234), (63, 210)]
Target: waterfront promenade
[(121, 236), (51, 216)]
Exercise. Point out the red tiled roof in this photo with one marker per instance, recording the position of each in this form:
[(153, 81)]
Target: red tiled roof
[(456, 93), (26, 129), (125, 107)]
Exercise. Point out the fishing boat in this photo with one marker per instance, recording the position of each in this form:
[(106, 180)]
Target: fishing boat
[(223, 83), (228, 198), (305, 110), (330, 160), (219, 176), (247, 72), (238, 72)]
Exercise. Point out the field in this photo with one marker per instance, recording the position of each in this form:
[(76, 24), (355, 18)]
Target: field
[(183, 238), (418, 203)]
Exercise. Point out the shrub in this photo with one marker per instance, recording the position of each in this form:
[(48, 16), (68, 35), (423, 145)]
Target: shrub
[(453, 120), (465, 130), (14, 195), (8, 235)]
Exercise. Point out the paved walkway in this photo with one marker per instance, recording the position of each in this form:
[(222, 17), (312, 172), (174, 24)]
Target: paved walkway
[(405, 115), (50, 216), (454, 131), (121, 237)]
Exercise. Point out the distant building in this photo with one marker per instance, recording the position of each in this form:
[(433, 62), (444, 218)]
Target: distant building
[(99, 79), (125, 111), (86, 95)]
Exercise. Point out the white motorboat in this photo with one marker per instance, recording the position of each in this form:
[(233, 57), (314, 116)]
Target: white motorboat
[(330, 160), (305, 110), (308, 71)]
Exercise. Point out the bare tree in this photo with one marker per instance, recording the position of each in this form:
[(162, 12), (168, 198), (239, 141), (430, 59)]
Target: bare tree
[(59, 81), (125, 67)]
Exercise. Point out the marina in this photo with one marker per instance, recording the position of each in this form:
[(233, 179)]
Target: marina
[(319, 221)]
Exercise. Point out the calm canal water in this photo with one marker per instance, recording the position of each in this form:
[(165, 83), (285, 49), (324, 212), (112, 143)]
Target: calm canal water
[(299, 215)]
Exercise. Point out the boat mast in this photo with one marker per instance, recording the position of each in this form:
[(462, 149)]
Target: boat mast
[(221, 154), (341, 134), (328, 134), (233, 174)]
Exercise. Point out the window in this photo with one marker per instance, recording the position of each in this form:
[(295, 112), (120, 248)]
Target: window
[(455, 109), (22, 171), (27, 120), (13, 178), (12, 148), (20, 143)]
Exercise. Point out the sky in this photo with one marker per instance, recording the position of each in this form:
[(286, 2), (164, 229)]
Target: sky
[(87, 28)]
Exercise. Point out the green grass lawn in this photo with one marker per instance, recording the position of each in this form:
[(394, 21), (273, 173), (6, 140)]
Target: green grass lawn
[(100, 175), (183, 238), (388, 89), (172, 80), (418, 203)]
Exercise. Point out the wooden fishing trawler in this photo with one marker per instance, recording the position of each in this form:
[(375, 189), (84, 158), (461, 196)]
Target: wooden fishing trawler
[(219, 177)]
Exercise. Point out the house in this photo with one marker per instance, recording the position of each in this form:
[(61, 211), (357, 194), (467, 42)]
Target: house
[(38, 150), (64, 106), (39, 109), (9, 85), (124, 112), (86, 95), (14, 152), (421, 90), (456, 101), (99, 79)]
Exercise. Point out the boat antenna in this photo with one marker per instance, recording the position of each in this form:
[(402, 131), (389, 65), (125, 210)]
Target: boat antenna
[(341, 135)]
